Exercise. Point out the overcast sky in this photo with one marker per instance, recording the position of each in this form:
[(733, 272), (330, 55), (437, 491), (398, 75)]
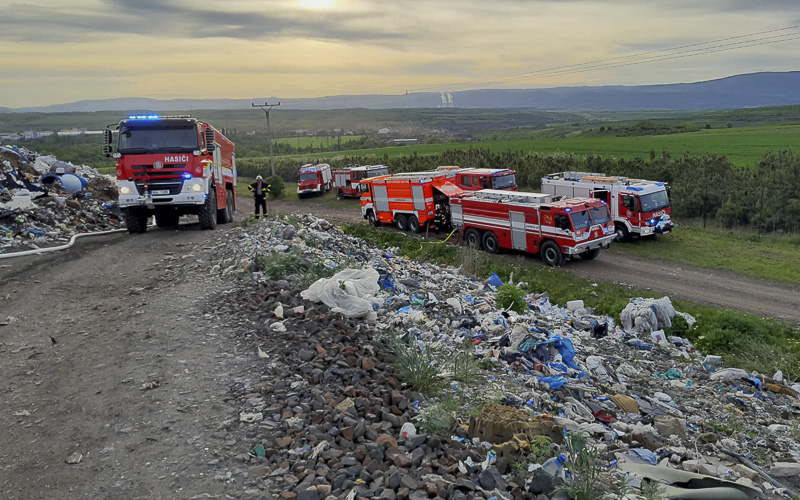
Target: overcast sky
[(55, 51)]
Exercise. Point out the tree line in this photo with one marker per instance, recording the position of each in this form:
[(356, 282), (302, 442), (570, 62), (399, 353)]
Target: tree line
[(764, 196)]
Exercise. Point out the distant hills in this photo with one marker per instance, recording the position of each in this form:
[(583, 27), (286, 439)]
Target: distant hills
[(733, 92)]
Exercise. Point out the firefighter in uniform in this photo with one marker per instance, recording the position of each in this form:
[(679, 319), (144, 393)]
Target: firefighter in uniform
[(260, 191), (441, 218)]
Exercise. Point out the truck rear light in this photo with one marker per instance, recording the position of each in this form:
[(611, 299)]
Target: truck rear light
[(119, 172)]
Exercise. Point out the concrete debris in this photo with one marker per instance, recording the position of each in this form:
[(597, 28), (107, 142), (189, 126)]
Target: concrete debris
[(44, 202), (516, 387)]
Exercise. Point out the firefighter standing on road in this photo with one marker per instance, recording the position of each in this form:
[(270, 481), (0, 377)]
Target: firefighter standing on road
[(260, 191), (442, 218)]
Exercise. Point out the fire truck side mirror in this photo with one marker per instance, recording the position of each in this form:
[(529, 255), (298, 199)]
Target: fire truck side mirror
[(210, 146), (107, 139)]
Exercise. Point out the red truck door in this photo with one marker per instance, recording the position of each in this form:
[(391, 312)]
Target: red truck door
[(519, 240)]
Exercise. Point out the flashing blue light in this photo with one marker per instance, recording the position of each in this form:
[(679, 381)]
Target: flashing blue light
[(144, 117), (187, 175), (603, 202), (634, 188), (659, 183), (651, 222), (568, 210)]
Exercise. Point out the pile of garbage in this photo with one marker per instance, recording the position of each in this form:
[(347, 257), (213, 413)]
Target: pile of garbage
[(45, 201), (550, 386)]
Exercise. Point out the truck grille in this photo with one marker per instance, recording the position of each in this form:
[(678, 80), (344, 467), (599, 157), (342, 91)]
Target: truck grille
[(168, 172)]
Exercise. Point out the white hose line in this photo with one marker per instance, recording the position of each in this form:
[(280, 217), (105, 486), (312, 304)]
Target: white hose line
[(54, 249)]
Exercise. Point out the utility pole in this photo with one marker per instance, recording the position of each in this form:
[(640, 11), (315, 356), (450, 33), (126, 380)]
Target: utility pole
[(266, 107)]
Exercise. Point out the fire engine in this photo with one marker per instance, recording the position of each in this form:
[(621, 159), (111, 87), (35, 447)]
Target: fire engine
[(474, 179), (408, 200), (314, 179), (639, 207), (345, 181), (532, 222), (170, 166)]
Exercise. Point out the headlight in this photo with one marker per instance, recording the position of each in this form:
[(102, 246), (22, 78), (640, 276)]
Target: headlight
[(124, 190), (197, 188)]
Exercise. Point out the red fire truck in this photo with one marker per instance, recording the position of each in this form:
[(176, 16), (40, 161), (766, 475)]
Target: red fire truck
[(170, 166), (531, 222), (345, 181), (639, 207), (409, 200), (474, 179), (314, 179)]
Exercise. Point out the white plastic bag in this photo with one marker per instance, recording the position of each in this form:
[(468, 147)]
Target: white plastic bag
[(347, 292)]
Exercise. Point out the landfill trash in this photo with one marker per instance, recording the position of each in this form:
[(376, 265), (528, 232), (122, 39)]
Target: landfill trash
[(647, 315), (44, 202), (75, 458), (544, 373), (347, 292), (555, 466)]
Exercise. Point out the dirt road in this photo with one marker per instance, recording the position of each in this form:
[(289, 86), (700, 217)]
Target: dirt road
[(110, 363), (705, 286)]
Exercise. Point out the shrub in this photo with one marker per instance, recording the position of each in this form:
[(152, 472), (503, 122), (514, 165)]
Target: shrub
[(276, 186), (511, 297), (414, 365)]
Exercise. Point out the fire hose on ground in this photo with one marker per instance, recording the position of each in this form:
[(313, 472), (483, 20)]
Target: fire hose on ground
[(38, 251)]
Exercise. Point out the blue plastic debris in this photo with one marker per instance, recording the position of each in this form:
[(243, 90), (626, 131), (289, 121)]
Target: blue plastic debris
[(554, 383), (643, 456), (404, 310), (494, 280)]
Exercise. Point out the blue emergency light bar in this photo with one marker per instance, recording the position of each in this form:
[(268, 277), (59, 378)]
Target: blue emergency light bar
[(144, 117)]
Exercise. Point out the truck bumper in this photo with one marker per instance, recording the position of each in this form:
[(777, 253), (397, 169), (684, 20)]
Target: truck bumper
[(603, 242), (187, 196)]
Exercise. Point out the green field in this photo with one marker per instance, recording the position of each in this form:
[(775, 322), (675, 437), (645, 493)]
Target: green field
[(742, 146), (316, 142)]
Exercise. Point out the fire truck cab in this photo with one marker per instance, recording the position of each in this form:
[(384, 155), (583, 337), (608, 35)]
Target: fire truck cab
[(170, 166), (532, 222), (314, 180), (639, 207), (408, 200), (346, 181), (474, 179)]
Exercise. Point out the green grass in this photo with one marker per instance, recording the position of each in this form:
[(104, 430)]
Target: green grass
[(744, 340), (316, 142), (742, 146), (770, 257)]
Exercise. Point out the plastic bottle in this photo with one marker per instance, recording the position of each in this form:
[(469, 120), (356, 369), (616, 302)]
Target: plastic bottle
[(555, 466)]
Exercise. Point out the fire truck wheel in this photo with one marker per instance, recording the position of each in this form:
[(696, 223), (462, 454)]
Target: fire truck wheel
[(136, 220), (622, 232), (208, 212), (401, 221), (490, 243), (413, 224), (229, 206), (473, 238), (372, 219), (590, 254), (551, 254)]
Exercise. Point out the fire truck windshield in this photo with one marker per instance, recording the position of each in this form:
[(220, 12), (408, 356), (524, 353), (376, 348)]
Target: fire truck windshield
[(157, 139), (600, 215), (504, 181), (580, 220), (653, 201), (308, 177)]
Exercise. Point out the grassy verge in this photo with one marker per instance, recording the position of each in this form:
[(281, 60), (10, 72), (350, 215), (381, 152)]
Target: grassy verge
[(744, 340), (770, 257)]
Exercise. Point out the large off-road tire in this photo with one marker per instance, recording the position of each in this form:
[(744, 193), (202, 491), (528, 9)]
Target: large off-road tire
[(401, 221), (590, 254), (373, 219), (490, 243), (551, 254), (622, 232), (136, 220), (231, 204), (167, 218), (413, 224), (473, 238), (208, 212), (224, 215)]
